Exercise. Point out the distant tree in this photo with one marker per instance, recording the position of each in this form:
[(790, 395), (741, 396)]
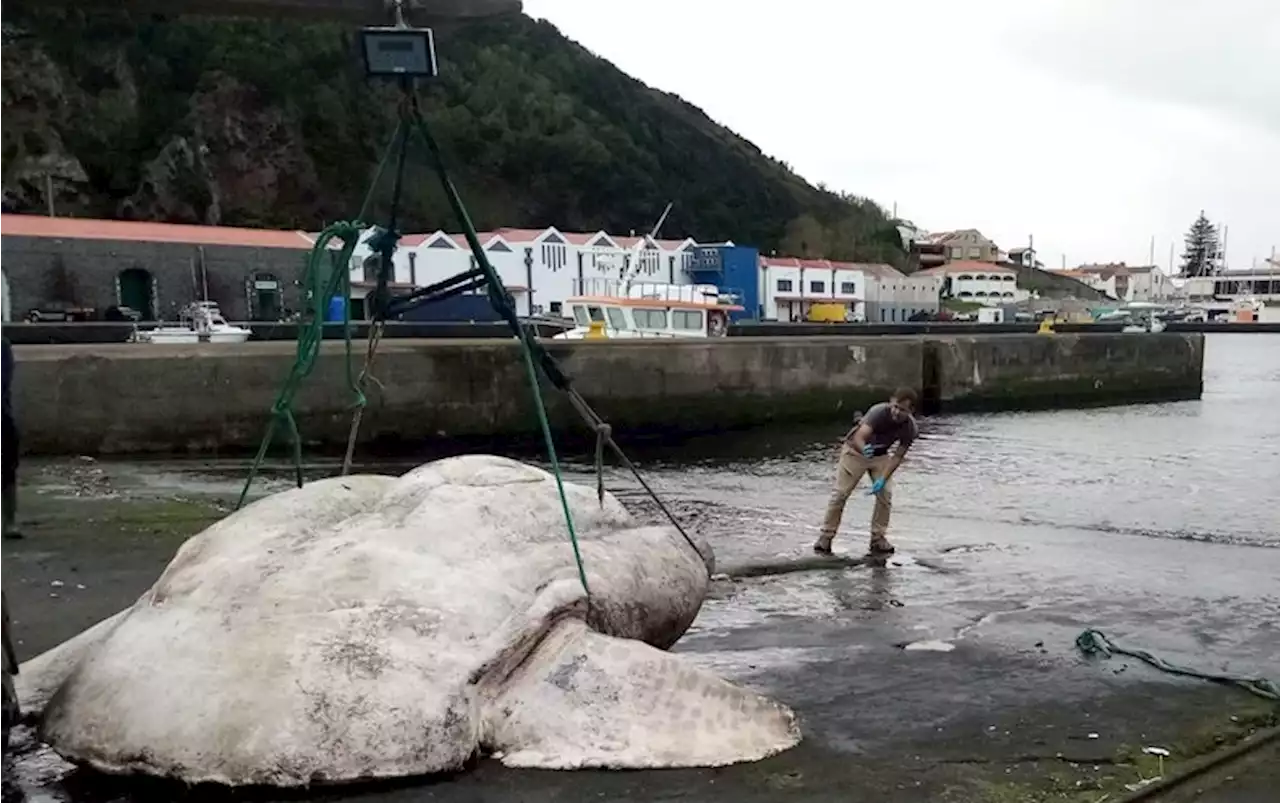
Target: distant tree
[(1202, 248), (805, 237)]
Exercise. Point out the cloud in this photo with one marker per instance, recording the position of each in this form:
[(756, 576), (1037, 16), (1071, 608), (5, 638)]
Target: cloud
[(1219, 56)]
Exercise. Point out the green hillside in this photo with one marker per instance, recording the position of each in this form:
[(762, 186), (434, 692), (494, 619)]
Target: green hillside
[(273, 124)]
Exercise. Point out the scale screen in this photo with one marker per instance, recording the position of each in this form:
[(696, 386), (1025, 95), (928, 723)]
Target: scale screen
[(399, 51)]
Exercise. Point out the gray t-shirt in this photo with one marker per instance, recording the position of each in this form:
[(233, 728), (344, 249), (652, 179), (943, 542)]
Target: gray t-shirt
[(885, 431)]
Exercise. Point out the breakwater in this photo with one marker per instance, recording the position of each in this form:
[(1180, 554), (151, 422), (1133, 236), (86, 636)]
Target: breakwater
[(140, 398)]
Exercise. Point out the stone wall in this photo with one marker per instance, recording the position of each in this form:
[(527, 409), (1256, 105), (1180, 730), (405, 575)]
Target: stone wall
[(84, 272), (1063, 370), (116, 399), (134, 398)]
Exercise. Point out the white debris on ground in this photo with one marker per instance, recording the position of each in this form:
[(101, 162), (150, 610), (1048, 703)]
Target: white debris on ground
[(81, 477)]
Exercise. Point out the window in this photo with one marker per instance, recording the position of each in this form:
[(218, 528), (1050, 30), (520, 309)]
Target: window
[(580, 315), (974, 252), (964, 277), (957, 252), (557, 308), (688, 320), (784, 286), (1008, 277), (817, 287), (617, 318), (650, 318), (848, 288), (596, 313), (554, 256)]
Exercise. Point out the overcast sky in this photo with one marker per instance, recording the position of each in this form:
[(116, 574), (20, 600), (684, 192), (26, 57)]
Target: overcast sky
[(1093, 125)]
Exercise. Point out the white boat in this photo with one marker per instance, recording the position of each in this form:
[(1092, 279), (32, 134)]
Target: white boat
[(615, 308), (200, 322)]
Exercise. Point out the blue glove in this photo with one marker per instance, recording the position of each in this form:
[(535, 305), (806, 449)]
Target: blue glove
[(868, 451), (876, 487)]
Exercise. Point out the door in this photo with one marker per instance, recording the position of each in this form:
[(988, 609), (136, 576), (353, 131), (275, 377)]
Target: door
[(266, 297), (135, 292)]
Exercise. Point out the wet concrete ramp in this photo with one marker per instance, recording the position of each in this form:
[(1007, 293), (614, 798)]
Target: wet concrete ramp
[(372, 12)]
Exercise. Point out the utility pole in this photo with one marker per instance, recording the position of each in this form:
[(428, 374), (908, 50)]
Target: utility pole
[(48, 192), (1151, 252)]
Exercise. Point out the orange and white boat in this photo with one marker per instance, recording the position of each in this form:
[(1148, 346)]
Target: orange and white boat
[(616, 308)]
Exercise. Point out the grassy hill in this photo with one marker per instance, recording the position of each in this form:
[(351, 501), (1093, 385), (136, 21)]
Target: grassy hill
[(263, 123)]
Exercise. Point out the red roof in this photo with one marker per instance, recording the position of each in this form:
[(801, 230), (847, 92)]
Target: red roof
[(144, 231), (519, 235)]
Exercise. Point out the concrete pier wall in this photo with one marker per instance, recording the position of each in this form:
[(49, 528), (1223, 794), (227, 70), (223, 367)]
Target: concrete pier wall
[(1065, 370), (134, 398)]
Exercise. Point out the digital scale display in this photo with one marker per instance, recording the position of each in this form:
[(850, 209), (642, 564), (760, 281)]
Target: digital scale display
[(399, 51)]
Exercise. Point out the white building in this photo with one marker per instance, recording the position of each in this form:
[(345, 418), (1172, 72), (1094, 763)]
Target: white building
[(894, 297), (1262, 284), (980, 282), (789, 288), (541, 268), (1126, 282)]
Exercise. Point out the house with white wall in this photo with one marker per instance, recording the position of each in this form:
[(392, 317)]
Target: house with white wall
[(1126, 282), (980, 282), (789, 287), (894, 297), (540, 267)]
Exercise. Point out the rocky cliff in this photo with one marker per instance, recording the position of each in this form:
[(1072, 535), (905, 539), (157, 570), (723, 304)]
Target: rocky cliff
[(271, 123)]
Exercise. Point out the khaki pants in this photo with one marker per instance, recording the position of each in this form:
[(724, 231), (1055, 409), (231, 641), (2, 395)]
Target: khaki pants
[(848, 473)]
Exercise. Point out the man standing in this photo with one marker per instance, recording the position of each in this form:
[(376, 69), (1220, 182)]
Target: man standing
[(865, 450), (9, 495)]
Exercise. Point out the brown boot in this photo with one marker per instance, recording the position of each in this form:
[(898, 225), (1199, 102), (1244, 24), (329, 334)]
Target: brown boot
[(880, 546), (823, 545)]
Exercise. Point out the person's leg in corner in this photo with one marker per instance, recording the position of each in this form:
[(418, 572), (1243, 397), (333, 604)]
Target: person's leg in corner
[(883, 509), (9, 494), (849, 471)]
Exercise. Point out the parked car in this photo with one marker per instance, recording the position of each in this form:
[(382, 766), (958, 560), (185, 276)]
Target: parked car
[(60, 312), (122, 313)]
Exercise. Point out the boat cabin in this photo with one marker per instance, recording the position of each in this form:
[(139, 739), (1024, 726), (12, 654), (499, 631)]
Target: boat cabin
[(651, 310)]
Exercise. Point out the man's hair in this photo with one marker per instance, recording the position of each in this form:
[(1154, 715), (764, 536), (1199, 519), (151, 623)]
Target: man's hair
[(906, 396)]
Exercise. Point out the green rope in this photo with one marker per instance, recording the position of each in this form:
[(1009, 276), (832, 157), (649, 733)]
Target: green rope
[(310, 336), (320, 288), (320, 283), (501, 301), (1095, 642)]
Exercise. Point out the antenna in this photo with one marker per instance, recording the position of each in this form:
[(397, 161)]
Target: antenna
[(662, 219)]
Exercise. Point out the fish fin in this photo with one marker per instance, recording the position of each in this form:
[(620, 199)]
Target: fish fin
[(39, 678), (587, 700)]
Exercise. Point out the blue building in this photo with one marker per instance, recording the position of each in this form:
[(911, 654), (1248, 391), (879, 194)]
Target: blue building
[(735, 269)]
